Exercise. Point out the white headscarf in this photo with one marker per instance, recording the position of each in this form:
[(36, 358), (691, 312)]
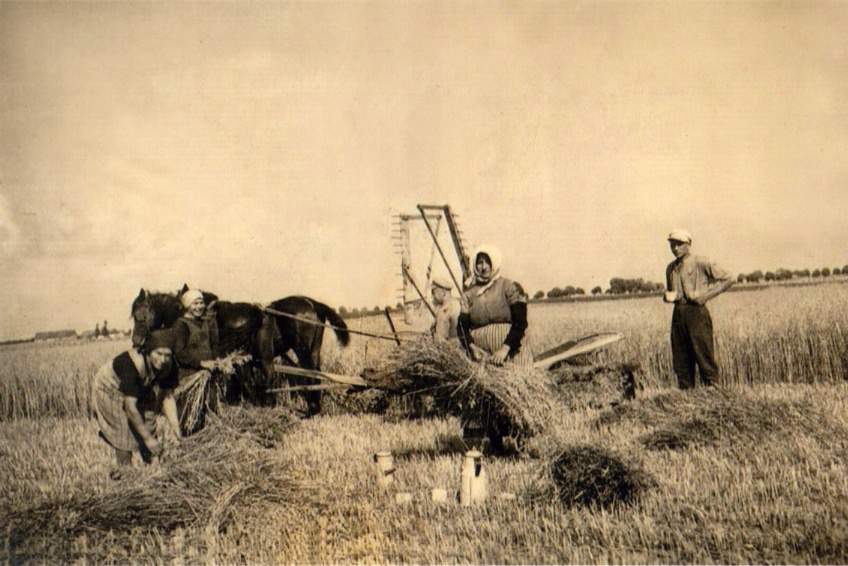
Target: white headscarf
[(189, 297), (496, 259)]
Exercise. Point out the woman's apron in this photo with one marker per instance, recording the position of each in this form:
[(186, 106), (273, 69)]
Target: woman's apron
[(108, 404), (491, 337)]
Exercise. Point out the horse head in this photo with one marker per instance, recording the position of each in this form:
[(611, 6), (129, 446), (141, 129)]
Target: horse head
[(152, 311), (143, 317)]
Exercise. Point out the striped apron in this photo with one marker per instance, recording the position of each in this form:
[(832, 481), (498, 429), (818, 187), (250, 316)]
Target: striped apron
[(491, 337)]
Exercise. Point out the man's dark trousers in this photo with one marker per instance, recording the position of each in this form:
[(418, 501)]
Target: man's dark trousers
[(692, 345)]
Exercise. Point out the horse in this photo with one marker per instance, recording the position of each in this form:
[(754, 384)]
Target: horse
[(248, 327)]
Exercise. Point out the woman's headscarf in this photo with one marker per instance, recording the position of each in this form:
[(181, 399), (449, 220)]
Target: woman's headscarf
[(495, 258), (189, 297), (160, 339)]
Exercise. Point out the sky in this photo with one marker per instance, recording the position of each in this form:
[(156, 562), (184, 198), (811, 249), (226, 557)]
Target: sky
[(260, 150)]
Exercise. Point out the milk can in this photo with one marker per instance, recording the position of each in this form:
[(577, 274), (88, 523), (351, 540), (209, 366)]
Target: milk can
[(474, 486), (385, 468)]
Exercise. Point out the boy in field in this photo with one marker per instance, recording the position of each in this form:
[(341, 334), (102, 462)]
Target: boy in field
[(691, 281), (447, 310)]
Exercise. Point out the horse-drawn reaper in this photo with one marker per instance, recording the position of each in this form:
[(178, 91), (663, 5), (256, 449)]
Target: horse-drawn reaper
[(297, 324)]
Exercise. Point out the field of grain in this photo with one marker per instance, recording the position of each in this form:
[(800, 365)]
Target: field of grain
[(770, 335), (750, 472)]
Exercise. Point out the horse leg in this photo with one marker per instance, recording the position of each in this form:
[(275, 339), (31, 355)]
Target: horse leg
[(305, 351), (265, 350), (315, 356)]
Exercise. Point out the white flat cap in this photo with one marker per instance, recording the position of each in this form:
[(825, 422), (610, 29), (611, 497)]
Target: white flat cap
[(680, 235), (443, 282)]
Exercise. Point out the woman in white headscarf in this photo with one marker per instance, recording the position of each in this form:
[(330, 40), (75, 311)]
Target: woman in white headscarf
[(196, 335), (494, 312)]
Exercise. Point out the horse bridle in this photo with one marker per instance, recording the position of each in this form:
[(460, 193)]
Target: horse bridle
[(146, 315)]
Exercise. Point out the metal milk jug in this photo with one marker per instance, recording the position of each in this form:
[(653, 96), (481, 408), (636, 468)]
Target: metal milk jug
[(474, 486), (385, 468)]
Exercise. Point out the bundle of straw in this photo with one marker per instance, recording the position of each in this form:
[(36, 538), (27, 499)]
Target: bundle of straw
[(514, 401), (204, 390), (593, 476), (203, 484), (263, 425)]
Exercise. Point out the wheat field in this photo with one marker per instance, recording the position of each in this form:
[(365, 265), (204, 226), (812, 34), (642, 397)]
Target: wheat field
[(752, 472)]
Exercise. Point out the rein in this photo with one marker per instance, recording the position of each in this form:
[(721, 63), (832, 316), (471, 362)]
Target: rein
[(319, 323)]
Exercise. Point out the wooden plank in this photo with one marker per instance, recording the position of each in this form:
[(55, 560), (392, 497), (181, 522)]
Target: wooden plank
[(321, 375), (439, 249), (391, 324), (456, 236), (577, 347), (319, 387)]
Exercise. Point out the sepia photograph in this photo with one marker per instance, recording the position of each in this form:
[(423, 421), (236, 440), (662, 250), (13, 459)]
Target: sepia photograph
[(424, 282)]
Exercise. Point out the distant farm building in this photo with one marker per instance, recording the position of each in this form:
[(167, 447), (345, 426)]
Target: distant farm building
[(55, 335)]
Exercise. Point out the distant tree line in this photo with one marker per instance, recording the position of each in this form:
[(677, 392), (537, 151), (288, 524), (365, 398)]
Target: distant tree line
[(617, 286), (355, 312), (625, 286), (567, 291), (783, 274)]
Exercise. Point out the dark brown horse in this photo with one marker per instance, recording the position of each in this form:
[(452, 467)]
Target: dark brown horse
[(250, 328)]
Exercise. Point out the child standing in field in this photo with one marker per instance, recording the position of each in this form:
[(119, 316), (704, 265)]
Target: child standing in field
[(447, 310), (691, 281)]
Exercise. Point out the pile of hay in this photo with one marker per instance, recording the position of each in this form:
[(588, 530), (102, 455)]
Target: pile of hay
[(710, 416), (592, 476), (515, 402), (202, 484), (596, 386), (719, 416)]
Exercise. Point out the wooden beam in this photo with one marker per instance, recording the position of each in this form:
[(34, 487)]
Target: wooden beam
[(321, 375), (319, 387)]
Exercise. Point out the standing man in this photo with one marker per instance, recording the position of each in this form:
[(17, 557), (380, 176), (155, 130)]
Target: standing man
[(447, 309), (691, 281)]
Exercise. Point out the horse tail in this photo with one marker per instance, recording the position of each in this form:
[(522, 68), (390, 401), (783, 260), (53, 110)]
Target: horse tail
[(327, 314)]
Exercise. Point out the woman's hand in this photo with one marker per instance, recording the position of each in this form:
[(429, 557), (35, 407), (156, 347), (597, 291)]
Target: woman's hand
[(154, 446), (174, 436), (499, 357)]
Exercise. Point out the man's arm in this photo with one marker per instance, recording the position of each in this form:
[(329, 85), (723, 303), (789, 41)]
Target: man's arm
[(668, 285), (721, 280)]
